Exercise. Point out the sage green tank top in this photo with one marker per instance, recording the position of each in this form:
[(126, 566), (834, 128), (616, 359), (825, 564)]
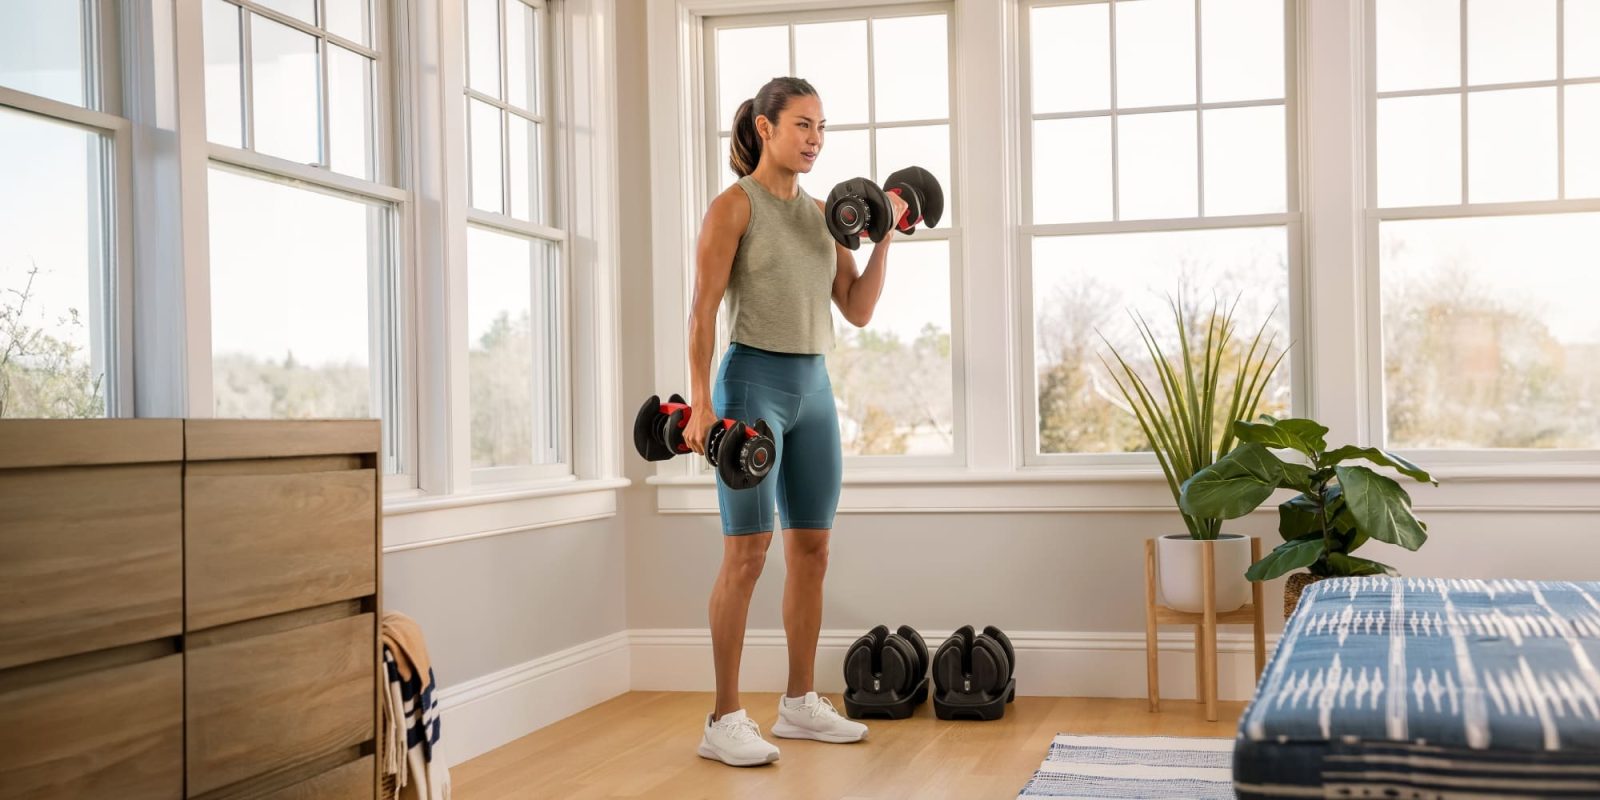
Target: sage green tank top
[(781, 285)]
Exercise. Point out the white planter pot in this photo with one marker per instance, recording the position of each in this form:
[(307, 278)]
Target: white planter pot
[(1178, 563)]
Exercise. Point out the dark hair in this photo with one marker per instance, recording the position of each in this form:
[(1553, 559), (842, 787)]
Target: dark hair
[(745, 150)]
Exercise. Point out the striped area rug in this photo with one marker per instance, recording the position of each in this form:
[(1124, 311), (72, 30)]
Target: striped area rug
[(1146, 767)]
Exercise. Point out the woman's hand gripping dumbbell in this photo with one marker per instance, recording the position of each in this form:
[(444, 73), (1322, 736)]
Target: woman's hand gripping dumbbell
[(858, 207), (742, 454)]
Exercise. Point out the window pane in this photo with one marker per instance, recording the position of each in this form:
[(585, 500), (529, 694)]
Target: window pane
[(926, 146), (1490, 336), (351, 19), (54, 239), (911, 68), (1419, 44), (42, 49), (513, 368), (293, 276), (303, 10), (1086, 286), (1070, 47), (1419, 151), (1511, 40), (844, 156), (1157, 171), (1582, 23), (1245, 161), (1072, 170), (892, 380), (527, 180), (351, 112), (1511, 145), (521, 55), (286, 91), (483, 46), (484, 152), (1155, 52), (224, 76), (746, 59), (833, 57), (1583, 140), (725, 172), (1241, 49)]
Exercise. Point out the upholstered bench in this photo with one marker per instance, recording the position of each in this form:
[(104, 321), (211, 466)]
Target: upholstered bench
[(1428, 688)]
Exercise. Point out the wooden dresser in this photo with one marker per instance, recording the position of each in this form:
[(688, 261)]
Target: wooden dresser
[(188, 608)]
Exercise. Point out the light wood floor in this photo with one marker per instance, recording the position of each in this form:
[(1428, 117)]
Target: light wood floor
[(642, 744)]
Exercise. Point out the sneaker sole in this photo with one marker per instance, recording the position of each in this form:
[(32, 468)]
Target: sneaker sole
[(783, 729), (706, 751)]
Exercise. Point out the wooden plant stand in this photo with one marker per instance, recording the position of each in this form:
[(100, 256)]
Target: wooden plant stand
[(1205, 625)]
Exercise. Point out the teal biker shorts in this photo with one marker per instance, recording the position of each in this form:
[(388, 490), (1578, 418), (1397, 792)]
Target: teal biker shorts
[(792, 393)]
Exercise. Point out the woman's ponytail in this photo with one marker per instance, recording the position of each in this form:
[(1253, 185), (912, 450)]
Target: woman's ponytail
[(744, 151)]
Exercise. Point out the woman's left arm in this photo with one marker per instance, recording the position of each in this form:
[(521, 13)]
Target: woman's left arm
[(857, 295)]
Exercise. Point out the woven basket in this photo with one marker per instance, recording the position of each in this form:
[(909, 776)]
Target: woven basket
[(1291, 590)]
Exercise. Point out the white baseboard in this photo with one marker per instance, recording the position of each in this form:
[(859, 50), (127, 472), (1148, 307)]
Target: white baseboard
[(489, 711), (1049, 663)]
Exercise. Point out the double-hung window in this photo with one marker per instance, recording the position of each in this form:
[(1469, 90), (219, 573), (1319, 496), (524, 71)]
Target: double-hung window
[(1159, 162), (64, 246)]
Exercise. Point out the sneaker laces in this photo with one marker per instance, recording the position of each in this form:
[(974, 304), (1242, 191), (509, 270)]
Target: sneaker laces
[(741, 730), (823, 708)]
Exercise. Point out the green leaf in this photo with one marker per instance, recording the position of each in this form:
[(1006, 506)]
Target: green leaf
[(1303, 435), (1341, 564), (1234, 486), (1380, 507), (1382, 458), (1286, 557), (1298, 517), (1296, 476)]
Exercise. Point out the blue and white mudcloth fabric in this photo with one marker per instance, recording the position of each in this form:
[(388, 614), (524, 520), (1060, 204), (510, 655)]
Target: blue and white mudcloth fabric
[(1417, 687), (1143, 767)]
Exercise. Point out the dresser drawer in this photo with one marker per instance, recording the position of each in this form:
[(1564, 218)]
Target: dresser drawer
[(269, 702), (93, 558), (116, 732), (259, 544), (353, 781)]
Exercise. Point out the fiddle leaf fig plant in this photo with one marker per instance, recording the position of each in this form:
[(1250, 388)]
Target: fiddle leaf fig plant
[(1339, 506)]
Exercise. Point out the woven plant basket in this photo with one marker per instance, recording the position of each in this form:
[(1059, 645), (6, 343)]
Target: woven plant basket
[(1291, 590)]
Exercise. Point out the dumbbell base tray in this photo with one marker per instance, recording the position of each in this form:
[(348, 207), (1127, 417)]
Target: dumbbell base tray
[(955, 705), (866, 705)]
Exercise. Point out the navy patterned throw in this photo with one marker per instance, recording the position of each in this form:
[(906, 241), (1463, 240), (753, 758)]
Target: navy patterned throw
[(1420, 687)]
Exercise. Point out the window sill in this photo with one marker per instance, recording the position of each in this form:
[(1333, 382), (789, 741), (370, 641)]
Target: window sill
[(1143, 489), (414, 520)]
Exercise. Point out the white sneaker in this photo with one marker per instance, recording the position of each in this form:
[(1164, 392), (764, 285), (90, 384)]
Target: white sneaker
[(813, 717), (736, 740)]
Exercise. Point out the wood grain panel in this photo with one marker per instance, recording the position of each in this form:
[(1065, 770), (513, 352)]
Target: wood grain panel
[(114, 733), (265, 544), (224, 439), (353, 781), (92, 559), (84, 442), (263, 704)]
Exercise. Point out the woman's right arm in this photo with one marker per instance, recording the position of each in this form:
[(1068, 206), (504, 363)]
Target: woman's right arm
[(724, 225)]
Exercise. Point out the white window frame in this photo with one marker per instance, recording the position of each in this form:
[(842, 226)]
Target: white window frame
[(103, 113), (949, 230), (1291, 219), (1470, 461), (386, 189), (555, 105)]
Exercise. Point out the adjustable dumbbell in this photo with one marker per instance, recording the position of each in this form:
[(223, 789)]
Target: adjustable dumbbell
[(974, 674), (885, 674), (742, 454), (858, 206)]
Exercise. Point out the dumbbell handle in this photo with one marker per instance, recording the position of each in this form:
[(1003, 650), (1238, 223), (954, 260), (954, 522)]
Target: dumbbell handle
[(688, 411), (902, 223)]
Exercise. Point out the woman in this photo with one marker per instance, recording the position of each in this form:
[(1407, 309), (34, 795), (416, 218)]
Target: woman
[(765, 244)]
